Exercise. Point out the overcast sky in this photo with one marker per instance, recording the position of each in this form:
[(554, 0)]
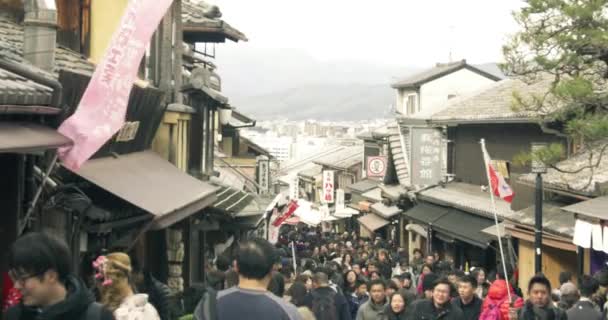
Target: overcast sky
[(415, 33)]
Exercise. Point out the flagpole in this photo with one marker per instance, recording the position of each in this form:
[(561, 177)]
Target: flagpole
[(486, 159)]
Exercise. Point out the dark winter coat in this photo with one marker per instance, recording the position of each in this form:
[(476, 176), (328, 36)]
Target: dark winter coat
[(470, 311), (74, 307), (355, 302), (584, 310), (342, 306), (530, 312), (426, 310), (158, 295)]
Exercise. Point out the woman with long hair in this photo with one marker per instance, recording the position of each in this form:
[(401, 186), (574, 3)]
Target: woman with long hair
[(350, 282), (113, 275), (347, 261), (482, 282), (395, 309)]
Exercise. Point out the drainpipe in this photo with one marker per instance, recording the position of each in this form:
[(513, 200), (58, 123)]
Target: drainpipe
[(40, 33)]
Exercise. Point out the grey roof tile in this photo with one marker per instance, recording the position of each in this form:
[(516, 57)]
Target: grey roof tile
[(343, 159), (467, 197), (199, 15), (18, 90), (494, 103), (555, 219), (584, 182), (11, 48), (440, 70)]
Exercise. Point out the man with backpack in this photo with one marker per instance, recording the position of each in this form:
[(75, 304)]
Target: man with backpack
[(325, 302), (496, 305), (39, 266)]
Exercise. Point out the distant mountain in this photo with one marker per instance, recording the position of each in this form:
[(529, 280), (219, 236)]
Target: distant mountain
[(289, 83), (322, 102), (248, 71)]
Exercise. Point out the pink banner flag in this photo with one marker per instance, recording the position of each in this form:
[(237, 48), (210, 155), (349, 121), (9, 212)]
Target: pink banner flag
[(102, 109)]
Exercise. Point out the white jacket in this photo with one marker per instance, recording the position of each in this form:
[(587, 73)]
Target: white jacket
[(136, 307)]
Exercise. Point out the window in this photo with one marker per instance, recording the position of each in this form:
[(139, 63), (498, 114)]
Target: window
[(411, 104)]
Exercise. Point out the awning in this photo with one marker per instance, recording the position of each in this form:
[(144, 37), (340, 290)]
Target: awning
[(425, 213), (465, 227), (29, 137), (232, 199), (151, 183), (385, 211), (491, 230), (454, 223), (248, 221), (372, 222), (595, 208), (416, 228)]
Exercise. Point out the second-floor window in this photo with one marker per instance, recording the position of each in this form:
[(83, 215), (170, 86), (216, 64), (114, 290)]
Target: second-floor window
[(410, 104)]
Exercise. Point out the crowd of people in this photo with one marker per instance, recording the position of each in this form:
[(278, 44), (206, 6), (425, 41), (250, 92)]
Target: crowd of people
[(335, 278)]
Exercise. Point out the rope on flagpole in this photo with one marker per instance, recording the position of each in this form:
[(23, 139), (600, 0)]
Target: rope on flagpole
[(486, 160), (32, 206)]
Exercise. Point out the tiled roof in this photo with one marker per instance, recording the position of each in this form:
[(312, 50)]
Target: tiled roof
[(364, 185), (199, 16), (493, 103), (555, 220), (399, 151), (312, 172), (584, 182), (440, 70), (466, 197), (231, 200), (343, 159), (17, 90), (11, 38)]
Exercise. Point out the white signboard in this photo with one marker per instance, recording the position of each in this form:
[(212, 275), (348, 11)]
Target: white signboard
[(328, 186), (340, 200), (426, 163), (294, 189), (376, 166), (263, 176)]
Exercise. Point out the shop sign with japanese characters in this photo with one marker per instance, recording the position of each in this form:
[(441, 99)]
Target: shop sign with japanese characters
[(426, 156), (328, 186)]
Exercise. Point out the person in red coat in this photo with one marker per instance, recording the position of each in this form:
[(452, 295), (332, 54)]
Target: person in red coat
[(10, 295), (497, 296)]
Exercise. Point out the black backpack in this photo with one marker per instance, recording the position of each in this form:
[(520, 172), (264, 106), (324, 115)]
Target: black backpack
[(324, 305)]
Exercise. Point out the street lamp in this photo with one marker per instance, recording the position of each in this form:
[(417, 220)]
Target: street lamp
[(225, 115), (539, 168)]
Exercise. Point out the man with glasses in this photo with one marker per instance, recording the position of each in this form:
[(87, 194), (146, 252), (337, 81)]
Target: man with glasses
[(438, 307), (39, 266)]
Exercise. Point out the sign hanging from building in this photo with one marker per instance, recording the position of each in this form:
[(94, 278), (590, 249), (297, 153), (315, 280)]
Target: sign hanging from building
[(328, 186), (426, 156), (340, 200), (101, 111), (294, 188), (376, 166), (263, 174), (273, 231)]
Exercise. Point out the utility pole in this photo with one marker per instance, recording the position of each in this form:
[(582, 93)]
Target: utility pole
[(539, 168)]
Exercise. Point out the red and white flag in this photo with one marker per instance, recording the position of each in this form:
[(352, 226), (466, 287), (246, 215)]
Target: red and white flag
[(101, 111), (497, 182)]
